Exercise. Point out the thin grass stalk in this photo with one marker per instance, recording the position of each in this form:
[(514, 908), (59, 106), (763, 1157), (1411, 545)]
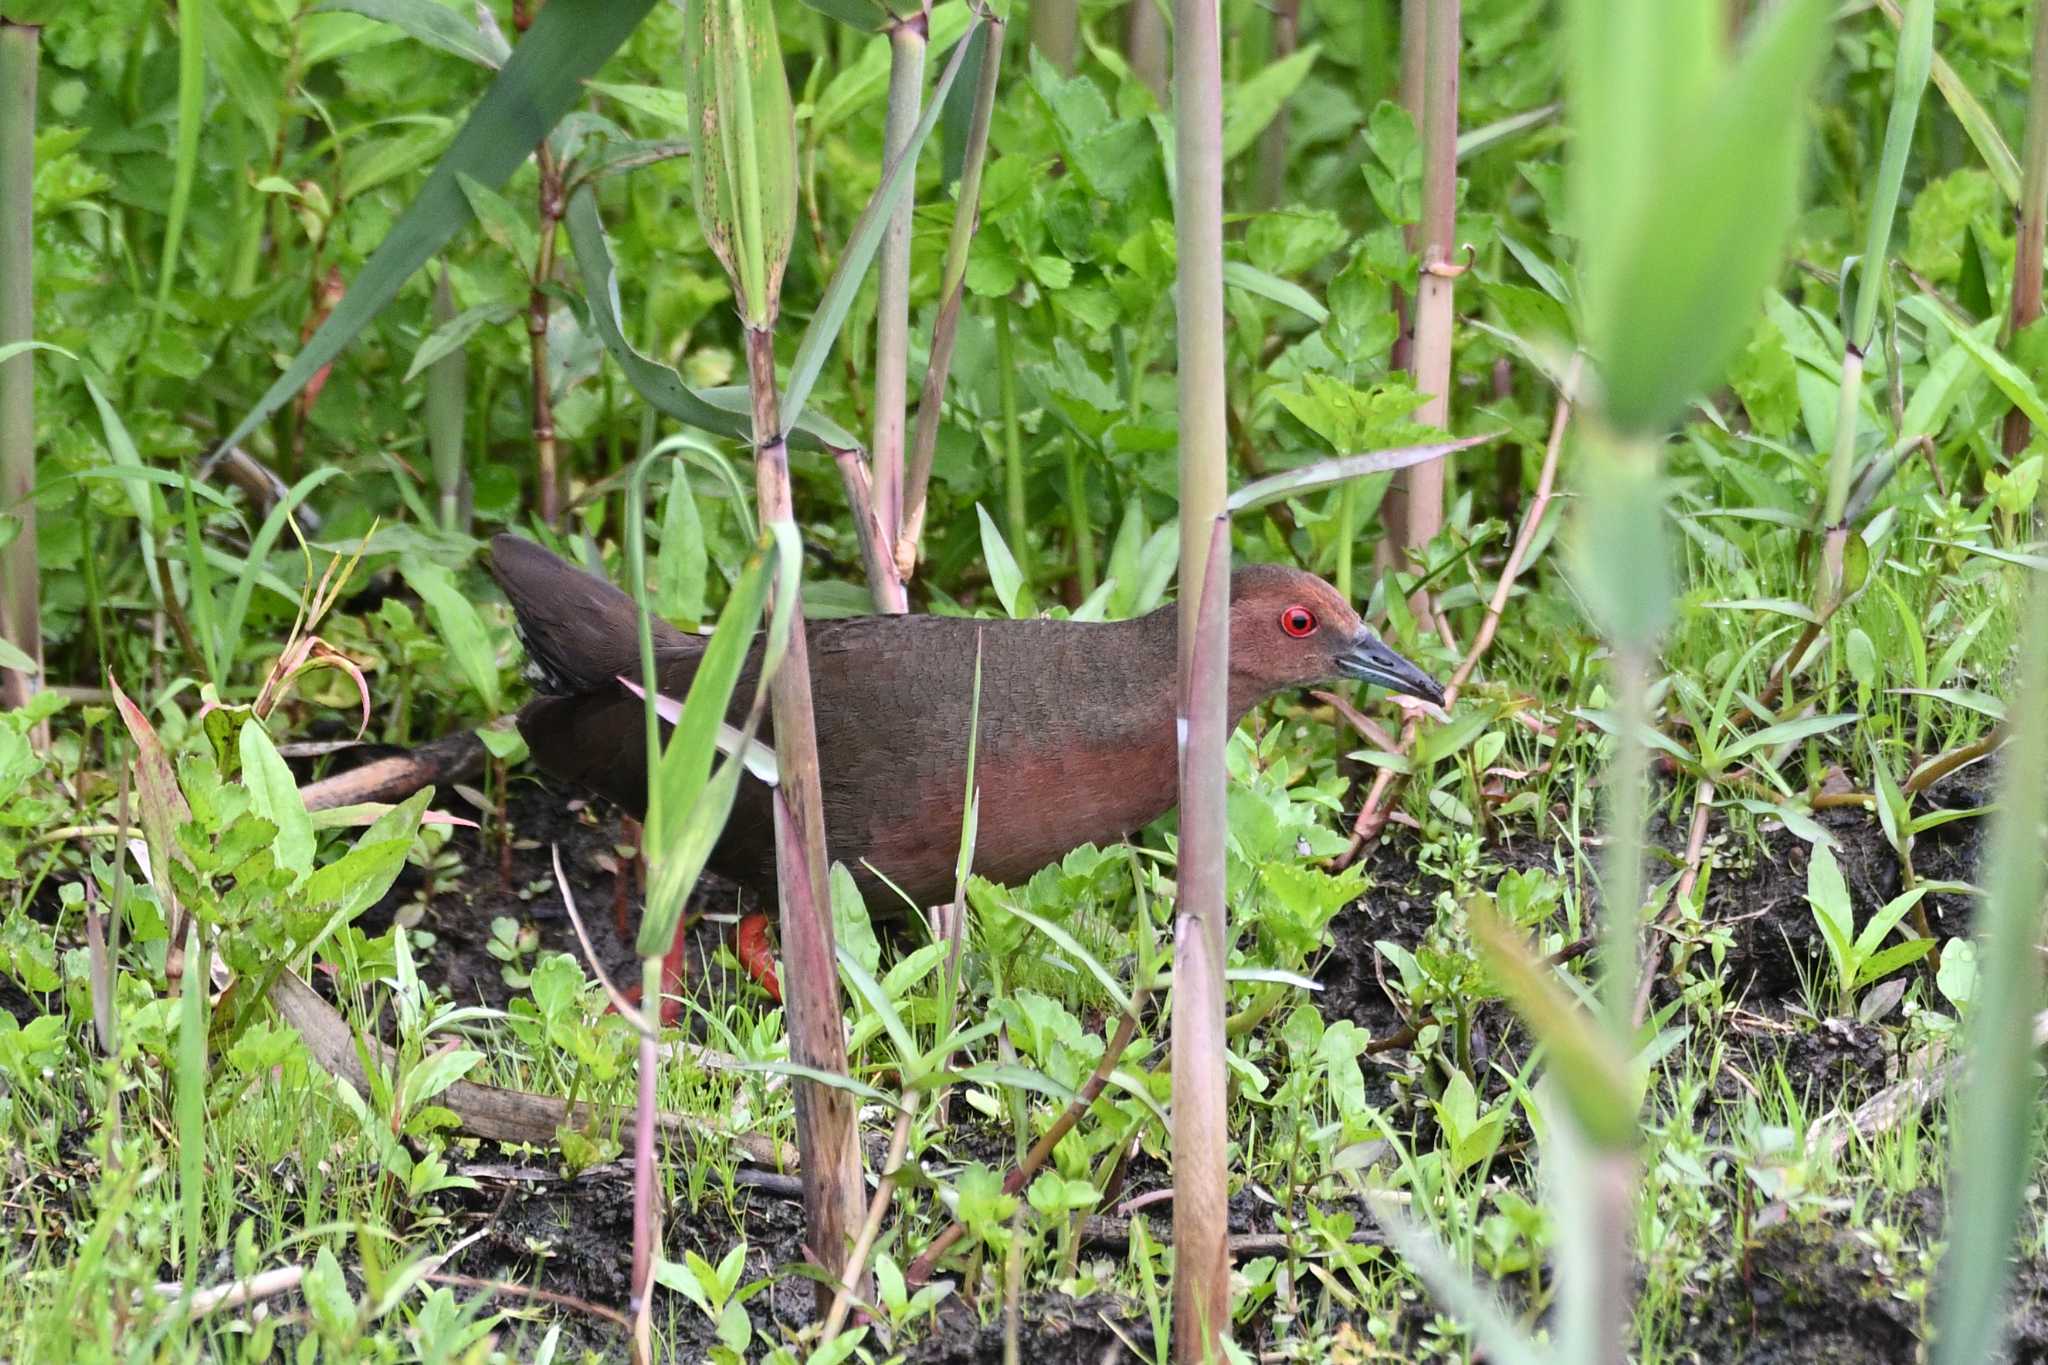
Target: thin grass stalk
[(1414, 55), (826, 1132), (446, 409), (20, 591), (1275, 141), (185, 159), (1056, 31), (1422, 487), (646, 1208), (1909, 82), (1992, 1135), (907, 40), (1145, 45), (551, 205), (2026, 261), (191, 1099), (930, 404)]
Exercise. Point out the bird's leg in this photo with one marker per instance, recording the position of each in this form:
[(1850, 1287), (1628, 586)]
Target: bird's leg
[(674, 975), (750, 946), (637, 870)]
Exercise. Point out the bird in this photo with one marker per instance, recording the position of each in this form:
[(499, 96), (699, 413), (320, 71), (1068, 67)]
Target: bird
[(1077, 739)]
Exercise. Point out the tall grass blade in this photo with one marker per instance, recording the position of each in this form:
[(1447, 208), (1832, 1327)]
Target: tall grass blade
[(184, 158)]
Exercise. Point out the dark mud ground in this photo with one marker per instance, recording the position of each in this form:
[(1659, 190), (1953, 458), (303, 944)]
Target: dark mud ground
[(1806, 1291)]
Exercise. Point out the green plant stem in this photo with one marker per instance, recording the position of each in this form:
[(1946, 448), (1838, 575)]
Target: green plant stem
[(20, 592), (892, 297), (1842, 462), (546, 471), (1145, 45), (2027, 250), (1274, 143), (1014, 517), (1621, 871), (185, 161), (1347, 535), (447, 398), (1056, 30), (191, 1101)]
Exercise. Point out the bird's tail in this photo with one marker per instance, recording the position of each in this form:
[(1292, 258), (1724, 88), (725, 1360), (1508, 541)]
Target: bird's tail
[(580, 632)]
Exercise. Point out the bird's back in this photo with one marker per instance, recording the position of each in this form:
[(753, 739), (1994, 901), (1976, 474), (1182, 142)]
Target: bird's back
[(1074, 738)]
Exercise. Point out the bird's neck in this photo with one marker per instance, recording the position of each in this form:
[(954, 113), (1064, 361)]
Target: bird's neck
[(1161, 639)]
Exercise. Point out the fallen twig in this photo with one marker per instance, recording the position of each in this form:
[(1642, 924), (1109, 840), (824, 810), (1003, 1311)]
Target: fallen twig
[(452, 758), (488, 1111), (234, 1294)]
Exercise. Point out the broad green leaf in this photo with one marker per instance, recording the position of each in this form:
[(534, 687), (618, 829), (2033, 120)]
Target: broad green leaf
[(461, 629), (1283, 292), (274, 795), (501, 222), (433, 24), (1252, 103), (1003, 574), (1786, 732), (2008, 377)]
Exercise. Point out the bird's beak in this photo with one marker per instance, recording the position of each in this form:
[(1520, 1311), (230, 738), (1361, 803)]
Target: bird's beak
[(1368, 659)]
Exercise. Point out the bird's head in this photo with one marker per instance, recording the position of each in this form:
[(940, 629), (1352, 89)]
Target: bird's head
[(1289, 628)]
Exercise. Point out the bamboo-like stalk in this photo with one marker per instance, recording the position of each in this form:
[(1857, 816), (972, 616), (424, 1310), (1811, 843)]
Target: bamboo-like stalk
[(1201, 1109), (1423, 485), (2026, 261), (1201, 1296), (446, 408), (924, 446), (20, 622), (1056, 31), (907, 40), (745, 183), (826, 1131)]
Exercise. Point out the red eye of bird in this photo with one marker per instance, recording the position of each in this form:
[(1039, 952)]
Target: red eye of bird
[(1298, 621)]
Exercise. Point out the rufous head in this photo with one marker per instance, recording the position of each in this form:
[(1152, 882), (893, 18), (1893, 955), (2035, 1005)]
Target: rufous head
[(1289, 628)]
